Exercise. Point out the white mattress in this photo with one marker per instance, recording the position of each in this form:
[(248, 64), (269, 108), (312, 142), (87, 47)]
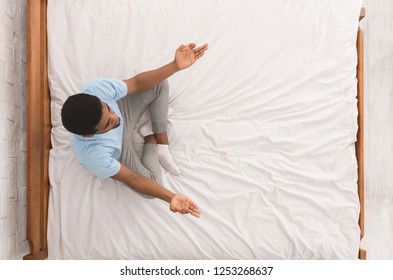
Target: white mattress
[(262, 128)]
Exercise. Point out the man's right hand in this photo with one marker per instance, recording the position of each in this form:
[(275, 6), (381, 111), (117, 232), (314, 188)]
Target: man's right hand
[(178, 203)]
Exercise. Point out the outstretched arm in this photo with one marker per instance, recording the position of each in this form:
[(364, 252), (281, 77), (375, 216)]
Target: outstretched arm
[(141, 184), (186, 55)]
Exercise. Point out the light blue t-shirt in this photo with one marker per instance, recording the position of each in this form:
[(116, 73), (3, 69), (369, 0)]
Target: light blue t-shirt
[(100, 153)]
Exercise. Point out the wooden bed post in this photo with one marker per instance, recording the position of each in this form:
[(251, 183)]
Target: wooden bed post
[(360, 135), (38, 145)]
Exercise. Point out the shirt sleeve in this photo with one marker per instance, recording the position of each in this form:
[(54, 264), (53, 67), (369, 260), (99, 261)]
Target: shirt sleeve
[(103, 169), (98, 161), (106, 88)]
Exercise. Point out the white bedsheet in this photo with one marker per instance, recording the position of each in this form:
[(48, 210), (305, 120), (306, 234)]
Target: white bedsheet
[(262, 128)]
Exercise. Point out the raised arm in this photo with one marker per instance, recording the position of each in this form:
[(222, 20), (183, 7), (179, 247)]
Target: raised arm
[(141, 184), (186, 55)]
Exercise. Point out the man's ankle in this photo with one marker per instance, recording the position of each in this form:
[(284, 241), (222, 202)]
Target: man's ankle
[(150, 139), (162, 138)]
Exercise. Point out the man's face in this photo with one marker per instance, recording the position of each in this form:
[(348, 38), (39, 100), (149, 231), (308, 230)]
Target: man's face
[(108, 121)]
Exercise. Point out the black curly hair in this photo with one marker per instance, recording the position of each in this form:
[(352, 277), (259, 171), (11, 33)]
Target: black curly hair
[(81, 113)]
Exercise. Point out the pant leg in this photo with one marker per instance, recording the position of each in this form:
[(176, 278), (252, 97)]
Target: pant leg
[(158, 100), (132, 108), (150, 161)]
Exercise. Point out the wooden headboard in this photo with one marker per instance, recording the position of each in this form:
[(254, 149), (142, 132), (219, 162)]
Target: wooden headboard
[(39, 127)]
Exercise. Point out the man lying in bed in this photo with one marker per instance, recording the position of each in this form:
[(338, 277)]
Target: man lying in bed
[(102, 118)]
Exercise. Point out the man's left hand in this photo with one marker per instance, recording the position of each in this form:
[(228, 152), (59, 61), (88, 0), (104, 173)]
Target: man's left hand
[(186, 55), (184, 205)]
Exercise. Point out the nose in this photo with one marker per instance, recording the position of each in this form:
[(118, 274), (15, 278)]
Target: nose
[(114, 118)]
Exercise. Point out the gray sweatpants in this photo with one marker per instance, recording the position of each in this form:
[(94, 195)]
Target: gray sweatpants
[(131, 108)]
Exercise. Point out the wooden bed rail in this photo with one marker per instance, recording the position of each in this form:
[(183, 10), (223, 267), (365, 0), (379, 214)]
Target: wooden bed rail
[(38, 132), (360, 134)]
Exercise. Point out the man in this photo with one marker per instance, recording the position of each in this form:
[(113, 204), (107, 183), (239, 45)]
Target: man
[(102, 118)]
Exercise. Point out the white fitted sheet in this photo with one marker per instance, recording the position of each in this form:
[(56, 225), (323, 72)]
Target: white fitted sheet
[(262, 128)]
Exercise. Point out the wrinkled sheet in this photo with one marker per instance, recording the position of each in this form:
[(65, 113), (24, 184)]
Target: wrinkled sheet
[(262, 128)]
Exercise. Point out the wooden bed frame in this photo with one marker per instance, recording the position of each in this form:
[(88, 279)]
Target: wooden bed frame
[(39, 128)]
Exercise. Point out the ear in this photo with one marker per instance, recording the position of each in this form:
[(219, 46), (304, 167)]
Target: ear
[(87, 135)]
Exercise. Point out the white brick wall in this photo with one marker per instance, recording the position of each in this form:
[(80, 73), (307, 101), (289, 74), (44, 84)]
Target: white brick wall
[(13, 90)]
